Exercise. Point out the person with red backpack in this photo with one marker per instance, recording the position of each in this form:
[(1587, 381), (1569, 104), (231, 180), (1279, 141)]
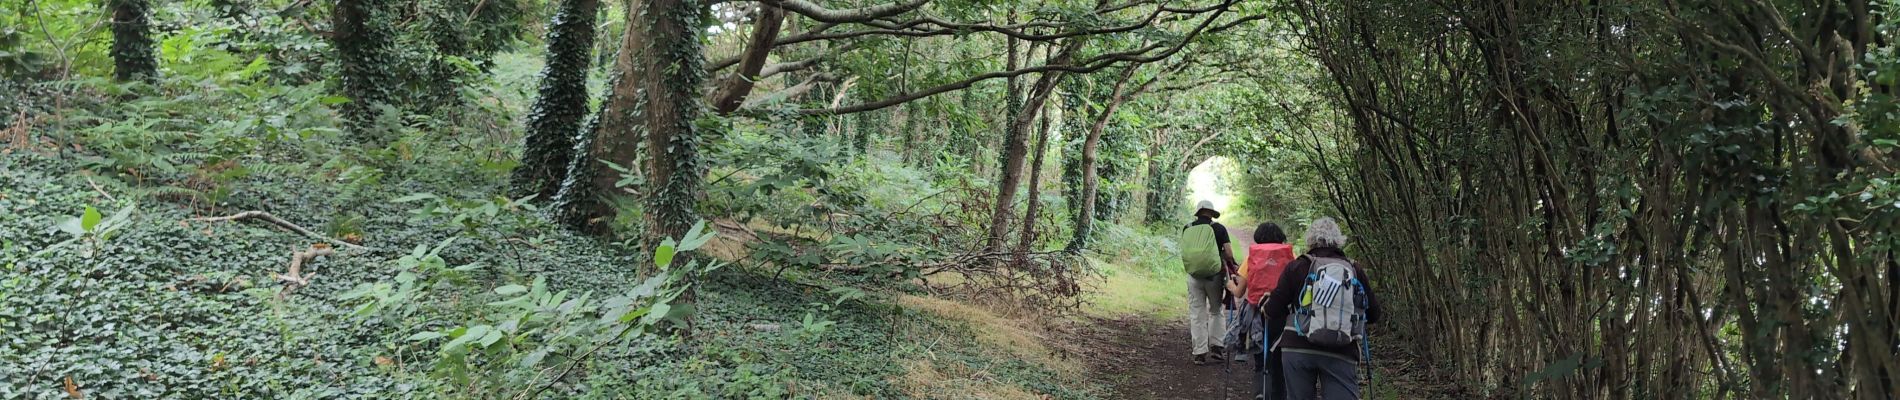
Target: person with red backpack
[(1266, 259), (1326, 300)]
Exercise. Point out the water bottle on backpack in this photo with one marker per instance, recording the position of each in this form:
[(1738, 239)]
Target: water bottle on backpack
[(1332, 308)]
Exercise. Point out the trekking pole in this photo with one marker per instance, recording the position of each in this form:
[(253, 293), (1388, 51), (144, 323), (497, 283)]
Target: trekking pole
[(1227, 371), (1366, 354)]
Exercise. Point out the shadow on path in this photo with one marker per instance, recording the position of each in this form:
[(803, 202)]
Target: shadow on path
[(1144, 359)]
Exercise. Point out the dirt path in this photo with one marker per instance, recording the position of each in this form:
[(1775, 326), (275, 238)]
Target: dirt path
[(1144, 359)]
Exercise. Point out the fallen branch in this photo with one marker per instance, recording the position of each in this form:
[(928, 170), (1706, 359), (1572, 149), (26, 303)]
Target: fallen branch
[(280, 222), (295, 278)]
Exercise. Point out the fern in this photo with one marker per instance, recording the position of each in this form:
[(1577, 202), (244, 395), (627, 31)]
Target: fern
[(169, 192), (276, 170)]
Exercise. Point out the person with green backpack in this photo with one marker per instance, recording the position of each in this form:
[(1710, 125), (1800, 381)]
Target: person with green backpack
[(1207, 256), (1326, 300)]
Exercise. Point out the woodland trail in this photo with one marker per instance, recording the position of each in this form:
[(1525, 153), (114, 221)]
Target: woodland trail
[(1146, 359)]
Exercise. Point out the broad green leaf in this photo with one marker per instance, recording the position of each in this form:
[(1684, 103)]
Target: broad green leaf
[(657, 313), (472, 334), (663, 256), (491, 337), (425, 336), (510, 289), (534, 358), (326, 100), (648, 287), (71, 226), (414, 197), (696, 237), (90, 219), (443, 245), (120, 216), (636, 314)]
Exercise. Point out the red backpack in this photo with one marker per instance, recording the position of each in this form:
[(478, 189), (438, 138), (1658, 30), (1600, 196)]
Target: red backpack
[(1265, 262)]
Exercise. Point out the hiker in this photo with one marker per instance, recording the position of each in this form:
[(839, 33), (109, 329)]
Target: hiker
[(1326, 300), (1266, 259), (1209, 260)]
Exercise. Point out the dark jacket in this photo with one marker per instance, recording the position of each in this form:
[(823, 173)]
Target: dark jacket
[(1284, 296)]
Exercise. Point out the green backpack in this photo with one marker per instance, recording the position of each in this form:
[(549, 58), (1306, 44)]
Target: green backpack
[(1200, 255)]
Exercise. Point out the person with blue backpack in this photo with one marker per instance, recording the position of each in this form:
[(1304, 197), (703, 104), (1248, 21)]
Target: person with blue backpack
[(1208, 258), (1326, 300)]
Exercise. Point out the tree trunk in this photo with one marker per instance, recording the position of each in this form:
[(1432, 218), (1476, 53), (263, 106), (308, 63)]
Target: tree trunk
[(362, 46), (555, 120), (647, 126), (1035, 186), (670, 76), (1085, 218), (1015, 149), (134, 57), (613, 135), (733, 92)]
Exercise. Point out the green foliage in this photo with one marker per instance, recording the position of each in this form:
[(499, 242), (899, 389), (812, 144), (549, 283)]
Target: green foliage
[(16, 58), (471, 216), (90, 229), (534, 334)]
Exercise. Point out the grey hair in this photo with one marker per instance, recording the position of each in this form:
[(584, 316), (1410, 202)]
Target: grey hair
[(1324, 232)]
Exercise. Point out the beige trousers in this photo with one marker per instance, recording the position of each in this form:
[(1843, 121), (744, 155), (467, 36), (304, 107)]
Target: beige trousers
[(1205, 327)]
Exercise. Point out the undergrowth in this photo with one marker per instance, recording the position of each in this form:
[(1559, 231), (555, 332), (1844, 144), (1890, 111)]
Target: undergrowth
[(466, 294)]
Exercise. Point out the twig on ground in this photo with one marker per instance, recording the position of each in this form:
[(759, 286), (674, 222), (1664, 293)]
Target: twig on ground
[(267, 217), (102, 192), (294, 278), (736, 227), (536, 392)]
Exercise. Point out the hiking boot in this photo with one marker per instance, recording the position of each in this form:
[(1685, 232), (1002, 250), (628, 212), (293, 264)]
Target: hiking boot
[(1217, 354), (1200, 359)]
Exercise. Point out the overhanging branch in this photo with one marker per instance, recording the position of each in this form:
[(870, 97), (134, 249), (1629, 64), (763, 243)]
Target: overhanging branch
[(861, 14), (1092, 64)]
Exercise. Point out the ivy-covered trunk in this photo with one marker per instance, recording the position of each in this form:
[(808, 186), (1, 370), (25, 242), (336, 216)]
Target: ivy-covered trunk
[(868, 125), (670, 77), (1034, 208), (1164, 191), (134, 57), (362, 42), (1091, 182), (555, 119), (1111, 165), (648, 125), (1015, 149)]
